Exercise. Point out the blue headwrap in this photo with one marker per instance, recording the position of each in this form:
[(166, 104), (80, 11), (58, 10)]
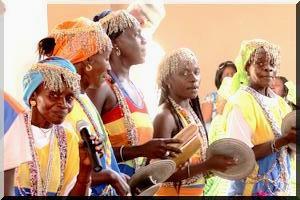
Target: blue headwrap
[(53, 71)]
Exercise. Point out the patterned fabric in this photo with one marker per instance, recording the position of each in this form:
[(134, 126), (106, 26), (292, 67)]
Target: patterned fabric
[(16, 144), (23, 183), (260, 132), (79, 39), (108, 160), (193, 189), (116, 128)]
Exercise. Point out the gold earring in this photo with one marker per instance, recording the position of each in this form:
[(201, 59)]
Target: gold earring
[(33, 103), (88, 67), (118, 51)]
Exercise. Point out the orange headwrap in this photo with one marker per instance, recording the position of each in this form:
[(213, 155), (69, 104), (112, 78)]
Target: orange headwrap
[(79, 39)]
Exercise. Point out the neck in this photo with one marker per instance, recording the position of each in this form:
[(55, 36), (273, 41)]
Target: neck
[(120, 68), (38, 120), (184, 103), (261, 90)]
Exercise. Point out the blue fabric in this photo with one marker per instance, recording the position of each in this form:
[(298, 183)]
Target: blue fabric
[(9, 115), (237, 187), (126, 169), (32, 80), (27, 192)]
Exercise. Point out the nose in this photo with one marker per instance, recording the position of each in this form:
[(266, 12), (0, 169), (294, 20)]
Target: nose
[(62, 102), (143, 40), (108, 67)]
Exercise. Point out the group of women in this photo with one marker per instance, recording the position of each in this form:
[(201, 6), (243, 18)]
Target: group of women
[(83, 74)]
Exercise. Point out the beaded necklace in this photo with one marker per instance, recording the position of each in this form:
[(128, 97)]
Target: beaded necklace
[(39, 186), (128, 121), (282, 178), (191, 117)]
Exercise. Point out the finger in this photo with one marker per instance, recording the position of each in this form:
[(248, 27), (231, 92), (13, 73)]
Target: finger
[(173, 149), (172, 140)]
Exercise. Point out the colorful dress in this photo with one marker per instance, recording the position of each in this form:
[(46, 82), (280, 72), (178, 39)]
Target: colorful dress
[(192, 186), (16, 144), (259, 120), (57, 154), (84, 109), (127, 124)]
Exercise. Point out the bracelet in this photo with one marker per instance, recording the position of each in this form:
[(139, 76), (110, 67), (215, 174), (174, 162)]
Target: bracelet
[(121, 153), (188, 170), (273, 148)]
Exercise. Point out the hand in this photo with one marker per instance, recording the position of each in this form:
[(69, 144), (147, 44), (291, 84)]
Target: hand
[(118, 182), (85, 159), (219, 162), (161, 148), (291, 135), (125, 177)]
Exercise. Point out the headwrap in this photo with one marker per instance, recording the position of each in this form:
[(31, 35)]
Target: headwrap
[(291, 95), (118, 21), (79, 39), (172, 62), (247, 48), (53, 72)]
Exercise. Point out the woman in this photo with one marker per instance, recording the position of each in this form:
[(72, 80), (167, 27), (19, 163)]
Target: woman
[(85, 44), (286, 89), (58, 166), (259, 113), (178, 79), (209, 104), (121, 104)]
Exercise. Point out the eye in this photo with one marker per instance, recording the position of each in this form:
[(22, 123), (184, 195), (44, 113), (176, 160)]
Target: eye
[(53, 95), (69, 98)]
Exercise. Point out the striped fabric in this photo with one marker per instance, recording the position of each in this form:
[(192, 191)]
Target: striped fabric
[(193, 189), (16, 143), (115, 125)]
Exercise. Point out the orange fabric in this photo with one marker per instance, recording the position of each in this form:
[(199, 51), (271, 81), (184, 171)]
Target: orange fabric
[(184, 191), (78, 39)]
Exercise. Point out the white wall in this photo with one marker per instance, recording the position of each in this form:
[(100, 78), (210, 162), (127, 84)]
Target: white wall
[(25, 23)]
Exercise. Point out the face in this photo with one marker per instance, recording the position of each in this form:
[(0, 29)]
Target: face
[(262, 70), (278, 87), (185, 82), (132, 45), (228, 72), (52, 107), (100, 64)]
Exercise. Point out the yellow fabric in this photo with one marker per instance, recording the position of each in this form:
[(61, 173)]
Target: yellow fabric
[(254, 115), (78, 114), (71, 169), (255, 118)]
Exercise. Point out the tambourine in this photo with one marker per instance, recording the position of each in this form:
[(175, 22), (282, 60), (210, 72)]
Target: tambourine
[(288, 122), (191, 143), (147, 180), (239, 151)]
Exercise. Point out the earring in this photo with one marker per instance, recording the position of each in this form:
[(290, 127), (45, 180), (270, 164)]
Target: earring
[(32, 103), (88, 67), (118, 51)]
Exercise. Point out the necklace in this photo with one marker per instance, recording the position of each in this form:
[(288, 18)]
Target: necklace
[(45, 132), (191, 117), (281, 182), (39, 187), (128, 121)]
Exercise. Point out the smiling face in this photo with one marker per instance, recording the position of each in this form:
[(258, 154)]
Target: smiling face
[(51, 107), (261, 68), (185, 82)]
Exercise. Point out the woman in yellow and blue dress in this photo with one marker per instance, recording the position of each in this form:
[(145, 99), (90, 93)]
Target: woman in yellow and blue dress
[(254, 115)]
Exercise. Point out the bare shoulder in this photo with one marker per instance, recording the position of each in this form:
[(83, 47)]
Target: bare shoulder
[(164, 122), (103, 97)]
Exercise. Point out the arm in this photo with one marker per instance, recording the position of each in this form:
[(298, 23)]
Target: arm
[(243, 132), (207, 108), (9, 182)]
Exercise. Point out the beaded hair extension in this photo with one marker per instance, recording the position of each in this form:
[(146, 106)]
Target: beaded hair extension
[(118, 21), (54, 77)]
